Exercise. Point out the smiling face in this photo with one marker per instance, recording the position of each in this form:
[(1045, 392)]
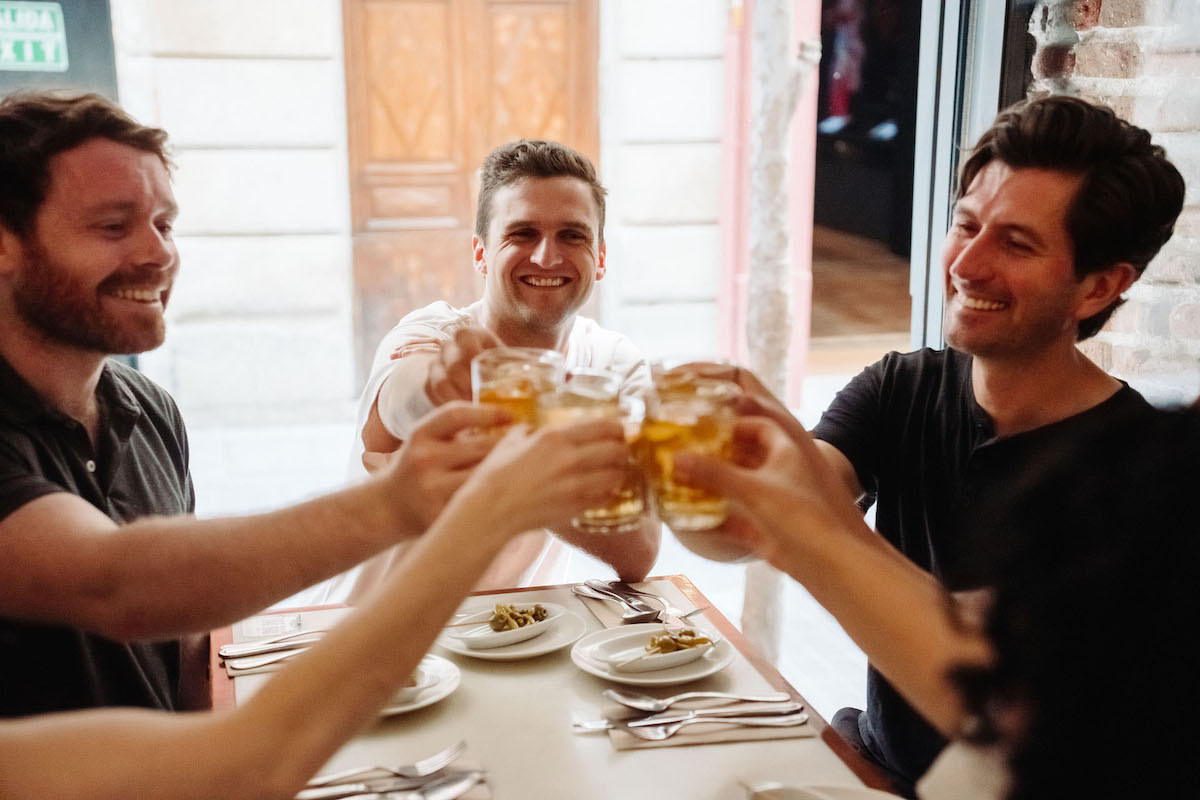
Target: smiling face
[(1011, 289), (541, 257), (96, 270)]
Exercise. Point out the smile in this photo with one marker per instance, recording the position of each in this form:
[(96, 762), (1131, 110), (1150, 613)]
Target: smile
[(138, 295), (979, 304), (543, 283)]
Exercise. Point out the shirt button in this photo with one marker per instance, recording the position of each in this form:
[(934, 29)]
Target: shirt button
[(91, 465)]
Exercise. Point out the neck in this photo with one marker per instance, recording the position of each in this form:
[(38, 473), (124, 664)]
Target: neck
[(518, 335), (1020, 395), (64, 376)]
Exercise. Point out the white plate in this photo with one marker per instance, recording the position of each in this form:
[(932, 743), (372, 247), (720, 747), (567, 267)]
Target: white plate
[(587, 656), (566, 630), (628, 654), (437, 677), (482, 637), (823, 793)]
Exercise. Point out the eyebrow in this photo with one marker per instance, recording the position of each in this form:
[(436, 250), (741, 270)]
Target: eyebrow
[(170, 209), (568, 224)]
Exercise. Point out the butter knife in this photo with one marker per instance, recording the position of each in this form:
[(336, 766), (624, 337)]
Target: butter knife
[(761, 710)]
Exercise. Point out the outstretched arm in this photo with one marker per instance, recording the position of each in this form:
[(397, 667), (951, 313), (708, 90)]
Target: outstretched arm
[(66, 562), (802, 521), (270, 746)]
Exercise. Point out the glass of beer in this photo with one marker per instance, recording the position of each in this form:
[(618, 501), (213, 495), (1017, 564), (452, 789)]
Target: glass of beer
[(687, 411), (595, 394), (515, 378)]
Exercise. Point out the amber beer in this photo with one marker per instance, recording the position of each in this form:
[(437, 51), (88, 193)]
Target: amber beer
[(515, 377), (594, 394), (686, 413)]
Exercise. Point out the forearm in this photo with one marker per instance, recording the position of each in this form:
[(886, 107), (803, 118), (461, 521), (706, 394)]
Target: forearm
[(897, 613), (159, 577)]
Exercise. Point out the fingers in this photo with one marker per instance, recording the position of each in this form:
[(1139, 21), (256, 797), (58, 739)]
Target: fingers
[(450, 374), (447, 422)]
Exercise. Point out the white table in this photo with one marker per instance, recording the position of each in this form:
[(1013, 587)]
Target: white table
[(516, 718)]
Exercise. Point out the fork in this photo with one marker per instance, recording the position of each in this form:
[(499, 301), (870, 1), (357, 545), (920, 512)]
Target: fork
[(656, 733), (644, 702), (620, 587), (630, 614), (417, 769)]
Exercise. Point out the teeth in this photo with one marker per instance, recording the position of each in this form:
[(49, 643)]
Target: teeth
[(982, 305), (139, 295), (544, 282)]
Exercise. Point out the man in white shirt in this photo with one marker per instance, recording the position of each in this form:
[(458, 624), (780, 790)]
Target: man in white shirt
[(539, 245)]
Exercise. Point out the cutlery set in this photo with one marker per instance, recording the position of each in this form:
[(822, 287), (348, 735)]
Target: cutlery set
[(774, 710), (247, 657)]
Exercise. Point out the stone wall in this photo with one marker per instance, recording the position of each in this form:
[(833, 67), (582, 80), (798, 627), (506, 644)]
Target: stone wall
[(1142, 57)]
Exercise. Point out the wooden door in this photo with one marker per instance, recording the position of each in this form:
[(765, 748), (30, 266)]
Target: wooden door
[(432, 87)]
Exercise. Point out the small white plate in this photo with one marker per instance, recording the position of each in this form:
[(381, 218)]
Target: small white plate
[(437, 677), (482, 637), (566, 629), (588, 654), (628, 654)]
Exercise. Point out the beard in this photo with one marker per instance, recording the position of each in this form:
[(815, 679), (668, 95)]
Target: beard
[(62, 309)]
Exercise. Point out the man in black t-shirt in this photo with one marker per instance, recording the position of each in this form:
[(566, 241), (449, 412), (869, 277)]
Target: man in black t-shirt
[(1060, 207), (101, 569)]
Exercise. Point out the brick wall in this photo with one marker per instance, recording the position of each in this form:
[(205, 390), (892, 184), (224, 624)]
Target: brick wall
[(1142, 58)]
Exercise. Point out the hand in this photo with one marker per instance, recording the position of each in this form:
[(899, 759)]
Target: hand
[(449, 375), (439, 457), (781, 489), (757, 400), (537, 479)]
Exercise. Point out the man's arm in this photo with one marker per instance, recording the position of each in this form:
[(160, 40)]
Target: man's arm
[(66, 562), (270, 745)]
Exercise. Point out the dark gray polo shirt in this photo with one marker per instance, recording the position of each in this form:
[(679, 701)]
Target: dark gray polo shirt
[(139, 468)]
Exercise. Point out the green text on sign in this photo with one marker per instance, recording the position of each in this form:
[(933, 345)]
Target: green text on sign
[(32, 37)]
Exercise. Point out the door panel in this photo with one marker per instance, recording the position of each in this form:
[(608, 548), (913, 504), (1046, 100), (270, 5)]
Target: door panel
[(432, 87)]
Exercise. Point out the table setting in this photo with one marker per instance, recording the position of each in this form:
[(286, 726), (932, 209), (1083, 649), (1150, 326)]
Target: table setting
[(541, 709)]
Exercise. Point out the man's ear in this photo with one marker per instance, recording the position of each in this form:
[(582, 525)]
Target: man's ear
[(1102, 288), (601, 264), (480, 257)]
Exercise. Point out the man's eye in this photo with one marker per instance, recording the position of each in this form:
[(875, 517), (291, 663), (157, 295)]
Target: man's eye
[(1020, 246), (112, 228), (165, 228), (575, 236)]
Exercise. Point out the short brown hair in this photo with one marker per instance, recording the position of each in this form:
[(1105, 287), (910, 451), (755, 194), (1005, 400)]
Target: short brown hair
[(532, 158), (36, 126), (1130, 195)]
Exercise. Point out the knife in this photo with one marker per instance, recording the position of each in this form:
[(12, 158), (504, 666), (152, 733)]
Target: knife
[(760, 710), (415, 788), (635, 599)]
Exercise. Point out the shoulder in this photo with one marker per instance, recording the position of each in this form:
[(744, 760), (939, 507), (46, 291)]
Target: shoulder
[(595, 346), (141, 388)]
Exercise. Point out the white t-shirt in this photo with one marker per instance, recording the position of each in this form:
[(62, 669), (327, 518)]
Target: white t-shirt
[(966, 770), (426, 329)]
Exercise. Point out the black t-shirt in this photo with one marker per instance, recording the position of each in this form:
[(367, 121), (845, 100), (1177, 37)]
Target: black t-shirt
[(926, 454), (139, 467)]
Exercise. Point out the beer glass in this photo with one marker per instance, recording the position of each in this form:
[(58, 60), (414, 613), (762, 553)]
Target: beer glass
[(595, 394), (515, 377), (687, 411)]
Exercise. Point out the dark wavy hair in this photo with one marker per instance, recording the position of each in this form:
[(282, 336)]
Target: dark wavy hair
[(37, 126), (1125, 207), (1098, 598), (532, 158)]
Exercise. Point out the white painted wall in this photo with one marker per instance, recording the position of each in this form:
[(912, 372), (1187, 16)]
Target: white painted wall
[(661, 78)]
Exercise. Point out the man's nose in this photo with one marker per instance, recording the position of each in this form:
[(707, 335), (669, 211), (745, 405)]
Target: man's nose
[(973, 260), (546, 254), (155, 248)]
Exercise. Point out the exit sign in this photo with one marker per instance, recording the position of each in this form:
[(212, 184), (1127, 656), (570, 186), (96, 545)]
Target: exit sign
[(32, 37)]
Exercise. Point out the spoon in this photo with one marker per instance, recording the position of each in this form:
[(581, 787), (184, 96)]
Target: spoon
[(644, 702)]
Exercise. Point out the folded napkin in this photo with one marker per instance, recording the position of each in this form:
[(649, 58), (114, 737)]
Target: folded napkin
[(699, 733)]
